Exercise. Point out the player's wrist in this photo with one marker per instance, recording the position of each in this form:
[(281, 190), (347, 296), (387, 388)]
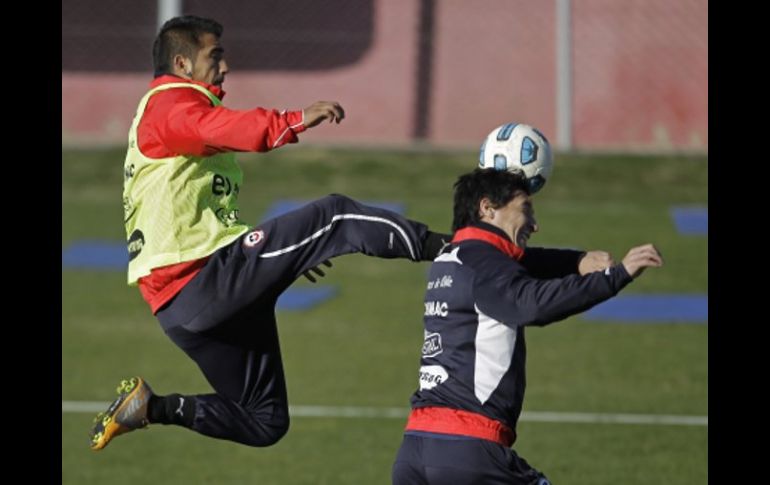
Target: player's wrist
[(296, 120)]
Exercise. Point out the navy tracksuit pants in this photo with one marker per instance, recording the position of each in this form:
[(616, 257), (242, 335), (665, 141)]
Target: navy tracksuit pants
[(224, 318), (438, 459)]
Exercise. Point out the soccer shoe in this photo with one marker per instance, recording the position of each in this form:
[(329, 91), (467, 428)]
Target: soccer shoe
[(126, 413)]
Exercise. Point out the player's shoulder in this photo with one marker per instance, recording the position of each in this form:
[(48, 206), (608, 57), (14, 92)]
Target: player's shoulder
[(180, 93), (482, 256), (162, 102)]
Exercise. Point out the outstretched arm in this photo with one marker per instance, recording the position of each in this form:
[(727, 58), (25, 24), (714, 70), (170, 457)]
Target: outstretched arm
[(516, 297), (183, 121), (549, 263)]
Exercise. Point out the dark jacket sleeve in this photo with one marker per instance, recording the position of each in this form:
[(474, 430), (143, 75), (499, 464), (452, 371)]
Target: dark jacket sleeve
[(551, 263), (505, 291)]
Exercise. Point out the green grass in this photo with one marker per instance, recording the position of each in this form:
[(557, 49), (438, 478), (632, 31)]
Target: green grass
[(361, 348)]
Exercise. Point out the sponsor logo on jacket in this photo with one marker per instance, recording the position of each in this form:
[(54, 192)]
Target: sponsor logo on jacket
[(436, 308), (431, 376), (443, 282), (431, 346)]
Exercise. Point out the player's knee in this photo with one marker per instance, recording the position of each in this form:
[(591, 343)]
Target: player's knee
[(278, 429), (267, 433)]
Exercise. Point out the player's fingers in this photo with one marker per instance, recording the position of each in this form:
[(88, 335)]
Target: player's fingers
[(656, 260), (638, 251), (318, 271), (648, 260), (650, 247), (309, 276), (339, 111), (652, 254)]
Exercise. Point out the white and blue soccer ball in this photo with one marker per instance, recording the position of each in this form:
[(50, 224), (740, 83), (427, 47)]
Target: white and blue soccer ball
[(516, 146)]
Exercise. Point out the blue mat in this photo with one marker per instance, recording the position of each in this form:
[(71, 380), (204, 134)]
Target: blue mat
[(652, 308), (691, 220), (95, 255), (283, 206), (304, 298)]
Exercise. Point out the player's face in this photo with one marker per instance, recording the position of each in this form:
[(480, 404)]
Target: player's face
[(517, 219), (210, 66)]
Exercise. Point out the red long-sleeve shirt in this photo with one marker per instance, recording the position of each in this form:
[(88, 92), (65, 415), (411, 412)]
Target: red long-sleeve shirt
[(183, 122)]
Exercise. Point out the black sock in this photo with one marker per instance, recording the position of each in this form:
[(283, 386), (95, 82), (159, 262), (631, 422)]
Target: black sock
[(434, 243), (171, 409)]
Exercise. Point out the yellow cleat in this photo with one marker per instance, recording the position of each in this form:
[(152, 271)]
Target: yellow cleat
[(127, 413)]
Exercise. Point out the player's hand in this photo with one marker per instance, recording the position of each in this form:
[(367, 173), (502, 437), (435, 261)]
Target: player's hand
[(594, 261), (315, 269), (323, 110), (642, 257)]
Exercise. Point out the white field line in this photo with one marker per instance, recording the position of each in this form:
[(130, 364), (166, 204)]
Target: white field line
[(401, 413)]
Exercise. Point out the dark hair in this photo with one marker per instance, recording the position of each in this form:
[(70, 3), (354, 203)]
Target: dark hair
[(180, 35), (499, 186)]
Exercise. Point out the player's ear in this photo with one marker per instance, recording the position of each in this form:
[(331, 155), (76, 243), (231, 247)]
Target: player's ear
[(182, 66), (485, 208)]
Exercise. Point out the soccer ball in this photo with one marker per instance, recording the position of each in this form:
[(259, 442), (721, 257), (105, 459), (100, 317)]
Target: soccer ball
[(516, 146)]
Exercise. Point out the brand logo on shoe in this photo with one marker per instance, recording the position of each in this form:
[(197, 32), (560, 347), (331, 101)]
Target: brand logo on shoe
[(253, 238), (131, 415)]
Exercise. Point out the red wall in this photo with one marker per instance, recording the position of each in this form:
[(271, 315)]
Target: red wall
[(639, 71)]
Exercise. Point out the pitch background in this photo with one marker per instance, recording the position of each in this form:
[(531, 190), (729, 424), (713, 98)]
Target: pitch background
[(361, 348)]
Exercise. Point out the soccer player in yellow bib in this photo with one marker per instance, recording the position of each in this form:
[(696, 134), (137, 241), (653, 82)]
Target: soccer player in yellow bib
[(212, 280)]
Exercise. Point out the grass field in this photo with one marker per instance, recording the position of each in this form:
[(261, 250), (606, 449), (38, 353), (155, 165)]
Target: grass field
[(362, 347)]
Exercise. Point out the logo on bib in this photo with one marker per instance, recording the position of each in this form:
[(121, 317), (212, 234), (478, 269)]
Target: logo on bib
[(135, 244)]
